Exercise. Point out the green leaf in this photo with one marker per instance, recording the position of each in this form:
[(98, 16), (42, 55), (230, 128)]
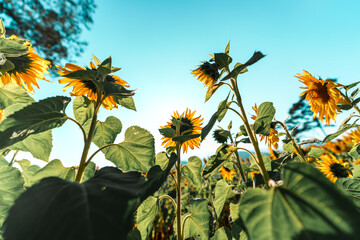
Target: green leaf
[(114, 89), (223, 153), (96, 60), (266, 160), (101, 208), (134, 235), (212, 89), (265, 115), (351, 85), (39, 145), (105, 67), (11, 186), (222, 60), (238, 69), (192, 170), (89, 171), (223, 234), (167, 132), (162, 160), (288, 147), (197, 225), (11, 93), (356, 171), (223, 191), (185, 138), (83, 109), (35, 118), (106, 132), (306, 206), (33, 175), (315, 152), (88, 75), (352, 188), (234, 209), (355, 152), (135, 153), (205, 130), (127, 102), (145, 216), (7, 66), (340, 131), (345, 106), (13, 47)]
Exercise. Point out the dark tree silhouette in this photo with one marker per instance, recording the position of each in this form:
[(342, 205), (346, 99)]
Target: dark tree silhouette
[(300, 113), (52, 26)]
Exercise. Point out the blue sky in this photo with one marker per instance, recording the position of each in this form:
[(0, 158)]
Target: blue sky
[(158, 43)]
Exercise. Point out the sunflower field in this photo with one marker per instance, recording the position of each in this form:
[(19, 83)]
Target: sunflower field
[(306, 189)]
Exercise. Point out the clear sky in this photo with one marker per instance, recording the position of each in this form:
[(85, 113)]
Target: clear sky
[(158, 43)]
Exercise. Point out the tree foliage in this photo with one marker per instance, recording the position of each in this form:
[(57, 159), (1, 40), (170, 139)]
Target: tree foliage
[(53, 27)]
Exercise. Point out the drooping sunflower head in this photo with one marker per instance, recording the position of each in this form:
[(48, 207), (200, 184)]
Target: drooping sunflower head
[(190, 125), (27, 68), (227, 174), (86, 86), (207, 73), (332, 167), (220, 135), (323, 96)]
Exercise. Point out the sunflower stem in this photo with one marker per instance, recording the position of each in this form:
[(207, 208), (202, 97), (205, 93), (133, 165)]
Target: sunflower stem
[(178, 190), (258, 160), (297, 148), (242, 174), (87, 144), (13, 158)]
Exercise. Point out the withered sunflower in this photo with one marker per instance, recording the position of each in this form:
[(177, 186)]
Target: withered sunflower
[(227, 174), (190, 125), (332, 167), (207, 73), (86, 86), (323, 96), (28, 68), (272, 140)]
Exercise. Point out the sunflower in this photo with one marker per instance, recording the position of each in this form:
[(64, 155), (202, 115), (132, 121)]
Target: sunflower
[(337, 147), (218, 135), (355, 136), (86, 86), (1, 114), (323, 96), (272, 140), (190, 125), (227, 174), (28, 68), (207, 73), (332, 167)]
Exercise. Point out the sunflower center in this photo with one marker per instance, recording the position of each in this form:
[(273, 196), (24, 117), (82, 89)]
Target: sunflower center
[(339, 170), (185, 125), (210, 70), (319, 92)]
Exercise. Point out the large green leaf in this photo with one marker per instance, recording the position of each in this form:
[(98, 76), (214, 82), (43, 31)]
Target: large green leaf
[(33, 174), (101, 208), (192, 170), (83, 109), (265, 115), (306, 206), (39, 145), (340, 131), (127, 102), (351, 187), (223, 234), (145, 216), (11, 186), (106, 132), (115, 90), (161, 160), (11, 93), (35, 118), (136, 152), (197, 225), (222, 60), (223, 191)]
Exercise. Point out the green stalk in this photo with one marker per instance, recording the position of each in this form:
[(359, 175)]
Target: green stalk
[(242, 174), (87, 144), (288, 135), (259, 161), (13, 158), (178, 192)]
